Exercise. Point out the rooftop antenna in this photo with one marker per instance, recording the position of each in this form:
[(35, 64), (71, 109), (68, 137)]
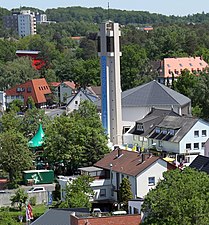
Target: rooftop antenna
[(108, 10)]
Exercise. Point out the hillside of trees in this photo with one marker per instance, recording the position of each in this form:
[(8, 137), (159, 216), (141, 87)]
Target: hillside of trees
[(78, 61)]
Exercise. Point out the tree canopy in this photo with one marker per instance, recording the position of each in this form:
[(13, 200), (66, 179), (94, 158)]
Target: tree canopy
[(180, 198), (79, 192), (77, 139)]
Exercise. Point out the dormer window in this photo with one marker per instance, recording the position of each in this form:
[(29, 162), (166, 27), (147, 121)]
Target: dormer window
[(171, 132), (164, 131), (157, 130), (139, 127)]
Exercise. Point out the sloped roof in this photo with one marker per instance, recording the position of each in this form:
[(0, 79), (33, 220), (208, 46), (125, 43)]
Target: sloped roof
[(200, 163), (181, 124), (93, 98), (70, 84), (153, 94), (128, 162), (57, 216), (179, 64), (37, 140), (41, 88), (151, 120)]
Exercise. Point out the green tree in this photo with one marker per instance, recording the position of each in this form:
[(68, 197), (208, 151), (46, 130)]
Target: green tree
[(125, 193), (16, 105), (14, 155), (20, 197), (10, 120), (77, 139), (16, 72), (79, 192), (180, 198)]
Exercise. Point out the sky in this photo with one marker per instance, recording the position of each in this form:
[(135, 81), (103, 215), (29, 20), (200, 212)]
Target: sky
[(166, 7)]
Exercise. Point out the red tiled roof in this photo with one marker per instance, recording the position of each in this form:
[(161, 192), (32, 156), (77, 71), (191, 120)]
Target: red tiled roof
[(177, 65), (41, 88), (128, 162), (38, 89), (70, 84), (55, 84)]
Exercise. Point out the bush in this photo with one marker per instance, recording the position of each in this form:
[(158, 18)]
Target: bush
[(32, 200)]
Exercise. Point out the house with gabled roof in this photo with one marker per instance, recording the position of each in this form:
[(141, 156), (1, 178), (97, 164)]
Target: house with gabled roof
[(139, 101), (143, 170), (63, 90), (176, 135), (73, 102), (38, 89)]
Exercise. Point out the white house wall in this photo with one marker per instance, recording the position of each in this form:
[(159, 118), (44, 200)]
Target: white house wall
[(74, 104), (190, 138), (155, 170)]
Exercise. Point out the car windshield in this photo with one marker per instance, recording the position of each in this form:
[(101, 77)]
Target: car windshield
[(31, 189)]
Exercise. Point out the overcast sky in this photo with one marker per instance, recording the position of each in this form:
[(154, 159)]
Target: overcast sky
[(166, 7)]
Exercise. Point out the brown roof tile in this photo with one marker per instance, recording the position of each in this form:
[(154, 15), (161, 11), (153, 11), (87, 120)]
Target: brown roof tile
[(128, 162)]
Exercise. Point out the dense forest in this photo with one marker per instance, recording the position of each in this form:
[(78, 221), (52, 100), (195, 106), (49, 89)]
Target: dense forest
[(68, 59)]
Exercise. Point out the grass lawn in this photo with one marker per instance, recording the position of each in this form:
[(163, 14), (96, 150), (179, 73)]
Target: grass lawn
[(12, 213)]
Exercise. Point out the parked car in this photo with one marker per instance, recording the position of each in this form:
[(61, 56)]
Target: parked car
[(36, 189)]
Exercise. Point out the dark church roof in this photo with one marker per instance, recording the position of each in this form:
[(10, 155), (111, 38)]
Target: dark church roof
[(153, 94)]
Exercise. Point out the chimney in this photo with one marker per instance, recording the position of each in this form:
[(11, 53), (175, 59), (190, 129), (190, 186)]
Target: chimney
[(117, 148), (142, 158)]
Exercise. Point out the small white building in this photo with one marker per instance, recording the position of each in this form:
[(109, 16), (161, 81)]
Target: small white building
[(74, 101), (143, 171)]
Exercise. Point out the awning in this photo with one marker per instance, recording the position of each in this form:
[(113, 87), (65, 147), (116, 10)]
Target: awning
[(37, 140)]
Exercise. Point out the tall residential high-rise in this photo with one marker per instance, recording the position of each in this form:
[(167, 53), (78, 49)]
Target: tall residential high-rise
[(23, 22), (26, 23), (109, 52)]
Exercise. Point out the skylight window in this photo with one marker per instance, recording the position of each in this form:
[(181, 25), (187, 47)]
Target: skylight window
[(168, 65), (190, 64), (201, 64), (180, 65)]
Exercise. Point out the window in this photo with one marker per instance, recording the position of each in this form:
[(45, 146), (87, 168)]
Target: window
[(29, 89), (203, 145), (151, 180), (103, 193), (171, 132), (157, 130), (140, 127), (76, 102), (196, 133), (188, 146), (196, 145), (204, 133), (164, 131), (18, 89)]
